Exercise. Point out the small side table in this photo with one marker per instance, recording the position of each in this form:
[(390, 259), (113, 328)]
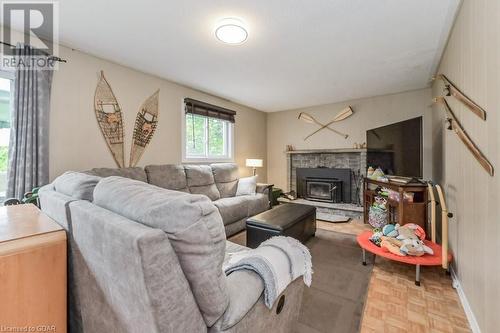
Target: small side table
[(425, 260), (33, 270), (275, 195)]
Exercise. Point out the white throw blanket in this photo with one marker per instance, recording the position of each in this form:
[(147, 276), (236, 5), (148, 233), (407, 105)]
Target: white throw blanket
[(278, 261)]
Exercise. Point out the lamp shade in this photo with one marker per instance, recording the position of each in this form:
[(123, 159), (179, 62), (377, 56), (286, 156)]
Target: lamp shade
[(254, 162)]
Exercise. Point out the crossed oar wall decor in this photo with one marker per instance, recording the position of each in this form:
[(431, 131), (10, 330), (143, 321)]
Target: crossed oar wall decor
[(345, 113)]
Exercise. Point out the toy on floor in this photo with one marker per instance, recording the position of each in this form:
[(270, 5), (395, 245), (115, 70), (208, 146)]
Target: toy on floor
[(392, 245), (402, 240), (410, 231), (415, 247), (376, 237), (390, 230)]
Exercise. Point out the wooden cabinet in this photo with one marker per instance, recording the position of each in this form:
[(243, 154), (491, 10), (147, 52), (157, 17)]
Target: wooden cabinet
[(32, 271), (400, 211)]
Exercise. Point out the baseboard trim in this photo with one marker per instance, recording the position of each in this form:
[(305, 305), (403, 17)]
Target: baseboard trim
[(465, 303)]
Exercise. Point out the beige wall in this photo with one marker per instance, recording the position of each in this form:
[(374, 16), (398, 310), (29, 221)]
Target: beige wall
[(75, 139), (283, 128), (472, 61)]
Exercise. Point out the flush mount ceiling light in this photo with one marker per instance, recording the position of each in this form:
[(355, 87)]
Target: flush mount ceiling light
[(231, 31)]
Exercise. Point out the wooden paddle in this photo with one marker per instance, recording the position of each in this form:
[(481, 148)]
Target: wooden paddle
[(310, 119), (452, 90), (345, 113), (464, 137)]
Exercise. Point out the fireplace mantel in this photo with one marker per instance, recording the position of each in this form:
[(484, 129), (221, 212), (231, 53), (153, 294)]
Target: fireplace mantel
[(325, 151)]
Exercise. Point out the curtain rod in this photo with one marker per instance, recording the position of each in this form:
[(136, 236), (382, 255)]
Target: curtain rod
[(50, 56)]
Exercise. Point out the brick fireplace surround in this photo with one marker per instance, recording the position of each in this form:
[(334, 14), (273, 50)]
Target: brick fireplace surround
[(355, 159)]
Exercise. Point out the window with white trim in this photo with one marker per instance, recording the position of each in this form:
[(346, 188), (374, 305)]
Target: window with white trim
[(207, 133)]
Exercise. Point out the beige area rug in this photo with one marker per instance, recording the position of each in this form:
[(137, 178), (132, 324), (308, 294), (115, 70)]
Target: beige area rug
[(335, 301)]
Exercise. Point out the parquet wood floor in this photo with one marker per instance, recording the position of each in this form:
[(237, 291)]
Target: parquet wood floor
[(395, 304)]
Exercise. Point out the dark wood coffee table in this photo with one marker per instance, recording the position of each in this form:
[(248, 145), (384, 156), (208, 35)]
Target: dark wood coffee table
[(293, 220)]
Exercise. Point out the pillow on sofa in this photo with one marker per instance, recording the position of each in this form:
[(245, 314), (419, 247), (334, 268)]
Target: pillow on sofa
[(192, 224), (247, 186), (76, 185)]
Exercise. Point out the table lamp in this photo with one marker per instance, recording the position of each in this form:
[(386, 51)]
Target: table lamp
[(254, 163)]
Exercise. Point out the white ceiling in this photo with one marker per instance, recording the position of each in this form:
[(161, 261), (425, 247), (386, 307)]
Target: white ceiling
[(299, 52)]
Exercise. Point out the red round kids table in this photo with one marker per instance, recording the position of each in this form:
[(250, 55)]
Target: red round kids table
[(425, 260)]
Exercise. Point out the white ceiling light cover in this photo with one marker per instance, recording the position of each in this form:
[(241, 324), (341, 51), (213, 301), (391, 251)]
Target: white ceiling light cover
[(231, 31)]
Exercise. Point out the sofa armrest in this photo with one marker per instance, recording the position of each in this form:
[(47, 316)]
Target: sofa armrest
[(245, 288), (247, 311), (266, 189)]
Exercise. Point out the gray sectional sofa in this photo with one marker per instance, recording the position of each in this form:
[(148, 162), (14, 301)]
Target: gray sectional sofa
[(148, 259), (217, 181)]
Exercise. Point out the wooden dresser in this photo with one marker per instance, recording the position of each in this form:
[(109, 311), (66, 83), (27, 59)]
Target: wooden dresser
[(32, 271)]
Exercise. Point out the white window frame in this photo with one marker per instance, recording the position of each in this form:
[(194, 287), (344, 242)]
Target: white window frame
[(9, 75), (206, 159)]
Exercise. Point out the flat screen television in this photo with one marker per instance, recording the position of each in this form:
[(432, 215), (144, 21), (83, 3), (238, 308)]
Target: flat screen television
[(396, 148)]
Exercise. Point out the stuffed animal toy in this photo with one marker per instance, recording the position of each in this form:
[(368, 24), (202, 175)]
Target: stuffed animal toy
[(405, 232), (415, 247), (392, 245), (418, 230), (369, 173), (380, 202), (390, 230), (378, 174), (376, 237)]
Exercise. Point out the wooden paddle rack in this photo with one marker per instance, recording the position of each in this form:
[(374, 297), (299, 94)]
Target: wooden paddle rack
[(401, 211), (454, 124)]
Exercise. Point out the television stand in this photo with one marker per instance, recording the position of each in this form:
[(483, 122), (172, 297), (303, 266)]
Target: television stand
[(399, 211)]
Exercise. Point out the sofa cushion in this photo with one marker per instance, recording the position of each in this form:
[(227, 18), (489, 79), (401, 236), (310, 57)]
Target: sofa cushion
[(136, 173), (193, 226), (77, 185), (232, 209), (257, 203), (235, 227), (200, 180), (247, 186), (226, 178), (169, 176)]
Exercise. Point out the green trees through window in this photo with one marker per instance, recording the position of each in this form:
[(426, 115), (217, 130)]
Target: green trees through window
[(207, 138), (216, 137)]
